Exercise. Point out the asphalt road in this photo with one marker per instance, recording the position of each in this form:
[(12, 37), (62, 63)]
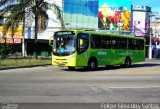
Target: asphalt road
[(48, 84)]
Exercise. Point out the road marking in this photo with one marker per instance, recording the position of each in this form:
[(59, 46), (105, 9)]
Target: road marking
[(147, 87)]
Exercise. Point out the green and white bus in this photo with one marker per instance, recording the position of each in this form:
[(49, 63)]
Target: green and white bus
[(79, 48)]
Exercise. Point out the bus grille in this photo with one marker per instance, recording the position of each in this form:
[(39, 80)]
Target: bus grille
[(61, 61)]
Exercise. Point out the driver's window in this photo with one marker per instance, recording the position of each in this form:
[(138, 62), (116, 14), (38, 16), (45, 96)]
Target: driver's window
[(83, 41)]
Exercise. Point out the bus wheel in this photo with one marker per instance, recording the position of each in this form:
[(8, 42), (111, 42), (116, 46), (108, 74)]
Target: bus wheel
[(127, 62), (71, 68), (92, 65)]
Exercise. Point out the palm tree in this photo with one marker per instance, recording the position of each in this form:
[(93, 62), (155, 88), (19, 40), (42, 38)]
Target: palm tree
[(20, 8)]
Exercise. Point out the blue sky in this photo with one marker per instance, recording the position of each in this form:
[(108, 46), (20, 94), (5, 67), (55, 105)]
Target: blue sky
[(115, 3), (154, 4)]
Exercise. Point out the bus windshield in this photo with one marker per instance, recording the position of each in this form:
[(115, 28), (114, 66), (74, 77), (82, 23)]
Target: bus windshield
[(64, 45)]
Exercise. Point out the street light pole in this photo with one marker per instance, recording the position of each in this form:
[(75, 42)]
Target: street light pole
[(150, 45)]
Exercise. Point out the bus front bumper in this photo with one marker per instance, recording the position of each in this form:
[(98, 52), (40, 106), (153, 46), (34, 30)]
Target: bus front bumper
[(64, 61)]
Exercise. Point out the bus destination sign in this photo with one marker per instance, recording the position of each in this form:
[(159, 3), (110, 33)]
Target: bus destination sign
[(60, 33)]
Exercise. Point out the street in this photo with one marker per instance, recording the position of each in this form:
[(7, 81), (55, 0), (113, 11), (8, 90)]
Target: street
[(50, 84)]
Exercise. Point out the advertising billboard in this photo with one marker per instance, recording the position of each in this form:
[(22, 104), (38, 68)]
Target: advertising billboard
[(81, 13), (141, 20), (114, 14), (147, 24), (139, 23)]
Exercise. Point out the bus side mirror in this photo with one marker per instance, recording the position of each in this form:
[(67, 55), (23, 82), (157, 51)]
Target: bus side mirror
[(51, 41)]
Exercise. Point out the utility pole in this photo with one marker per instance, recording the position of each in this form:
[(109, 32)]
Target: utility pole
[(150, 45)]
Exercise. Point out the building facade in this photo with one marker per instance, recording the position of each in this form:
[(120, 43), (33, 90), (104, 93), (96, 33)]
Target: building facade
[(155, 25)]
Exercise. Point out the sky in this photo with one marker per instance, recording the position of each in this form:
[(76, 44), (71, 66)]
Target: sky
[(115, 3), (154, 4)]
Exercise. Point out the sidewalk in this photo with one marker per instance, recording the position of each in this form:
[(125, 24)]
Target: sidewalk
[(152, 60)]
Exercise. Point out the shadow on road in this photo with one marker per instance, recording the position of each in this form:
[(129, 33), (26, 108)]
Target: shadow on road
[(145, 65), (116, 67)]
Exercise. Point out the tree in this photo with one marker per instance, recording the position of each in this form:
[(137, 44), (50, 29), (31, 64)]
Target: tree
[(17, 11)]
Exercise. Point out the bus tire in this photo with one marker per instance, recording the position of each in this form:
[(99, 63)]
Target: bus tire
[(71, 68), (92, 64), (127, 63)]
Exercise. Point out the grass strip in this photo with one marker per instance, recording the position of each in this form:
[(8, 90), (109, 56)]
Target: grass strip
[(23, 62)]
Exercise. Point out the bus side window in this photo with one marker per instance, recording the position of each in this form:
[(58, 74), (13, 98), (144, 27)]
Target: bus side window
[(140, 44), (96, 41), (124, 43), (106, 42), (116, 43), (131, 44), (136, 44)]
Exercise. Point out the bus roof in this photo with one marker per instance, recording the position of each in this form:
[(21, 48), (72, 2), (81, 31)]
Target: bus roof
[(103, 33), (111, 34)]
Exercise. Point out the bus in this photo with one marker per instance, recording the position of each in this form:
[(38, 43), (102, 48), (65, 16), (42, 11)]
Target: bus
[(80, 48)]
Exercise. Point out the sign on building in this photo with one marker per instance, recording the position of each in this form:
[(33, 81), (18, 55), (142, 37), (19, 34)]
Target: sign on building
[(9, 38)]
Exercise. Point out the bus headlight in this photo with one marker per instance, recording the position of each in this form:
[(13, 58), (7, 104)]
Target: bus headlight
[(54, 58), (71, 58)]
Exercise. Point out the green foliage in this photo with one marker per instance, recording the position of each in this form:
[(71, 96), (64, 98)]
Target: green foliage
[(5, 63), (5, 49), (57, 11)]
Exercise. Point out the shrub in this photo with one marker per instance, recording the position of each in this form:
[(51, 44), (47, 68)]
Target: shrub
[(5, 49)]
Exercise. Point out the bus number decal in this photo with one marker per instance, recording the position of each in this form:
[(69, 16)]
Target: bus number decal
[(102, 53)]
